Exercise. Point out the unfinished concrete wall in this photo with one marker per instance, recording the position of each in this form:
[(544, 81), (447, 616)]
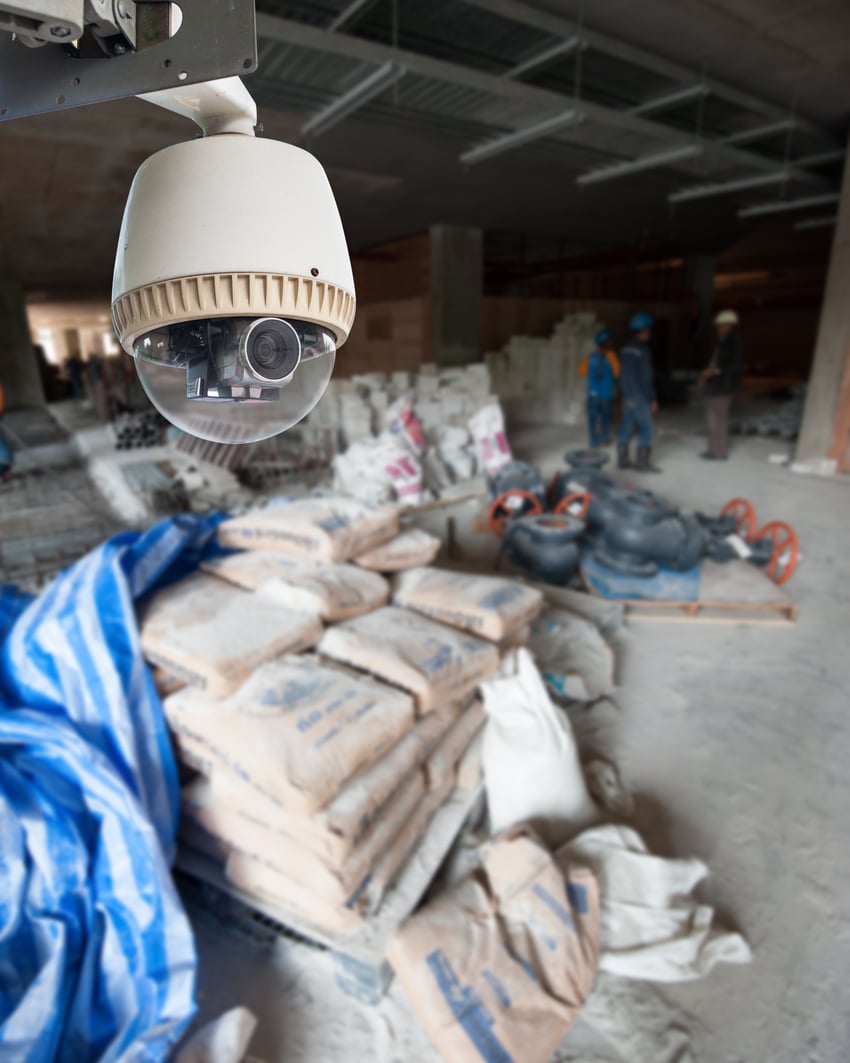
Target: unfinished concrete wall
[(19, 372), (826, 399), (457, 279)]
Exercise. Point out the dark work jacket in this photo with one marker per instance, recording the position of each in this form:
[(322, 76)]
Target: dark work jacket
[(728, 357), (637, 377)]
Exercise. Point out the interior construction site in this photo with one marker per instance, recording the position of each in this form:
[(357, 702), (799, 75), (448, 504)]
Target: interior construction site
[(424, 449)]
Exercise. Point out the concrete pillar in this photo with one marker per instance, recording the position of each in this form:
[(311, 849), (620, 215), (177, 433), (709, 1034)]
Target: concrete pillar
[(699, 283), (457, 278), (19, 372), (826, 400)]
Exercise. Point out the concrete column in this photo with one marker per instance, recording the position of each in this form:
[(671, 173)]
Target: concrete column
[(456, 288), (19, 372), (832, 347), (699, 283)]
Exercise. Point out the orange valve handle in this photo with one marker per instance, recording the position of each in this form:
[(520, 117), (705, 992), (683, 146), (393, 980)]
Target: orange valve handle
[(583, 498), (745, 517), (513, 503), (786, 550)]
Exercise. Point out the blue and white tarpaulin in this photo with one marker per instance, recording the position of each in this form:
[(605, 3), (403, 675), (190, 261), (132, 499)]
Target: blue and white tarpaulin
[(97, 960)]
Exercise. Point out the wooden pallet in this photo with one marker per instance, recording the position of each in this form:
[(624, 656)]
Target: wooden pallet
[(734, 593)]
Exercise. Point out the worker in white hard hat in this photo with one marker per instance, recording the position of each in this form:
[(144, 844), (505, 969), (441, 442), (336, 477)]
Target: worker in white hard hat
[(719, 381)]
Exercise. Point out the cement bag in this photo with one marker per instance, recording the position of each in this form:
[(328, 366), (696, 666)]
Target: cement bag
[(407, 550), (491, 441), (403, 846), (443, 763), (279, 893), (497, 967), (435, 663), (334, 591), (334, 528), (214, 636), (531, 767), (356, 473), (297, 729), (363, 805), (237, 828), (403, 423), (489, 606)]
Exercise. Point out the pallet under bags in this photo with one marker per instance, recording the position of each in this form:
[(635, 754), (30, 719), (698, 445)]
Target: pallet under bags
[(214, 635), (410, 549), (497, 967), (334, 591), (335, 528), (489, 606), (297, 729), (435, 663)]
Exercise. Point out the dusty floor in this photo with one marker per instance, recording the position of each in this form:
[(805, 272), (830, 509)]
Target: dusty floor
[(735, 740)]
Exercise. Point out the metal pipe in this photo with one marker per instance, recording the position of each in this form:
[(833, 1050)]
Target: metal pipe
[(643, 162), (365, 90), (820, 222), (722, 188), (671, 99), (561, 48), (781, 205), (759, 132), (521, 136)]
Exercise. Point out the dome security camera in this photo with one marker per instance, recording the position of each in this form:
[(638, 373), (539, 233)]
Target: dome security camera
[(233, 286)]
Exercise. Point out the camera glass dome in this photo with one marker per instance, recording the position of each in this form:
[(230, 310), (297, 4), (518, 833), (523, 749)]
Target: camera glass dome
[(235, 380)]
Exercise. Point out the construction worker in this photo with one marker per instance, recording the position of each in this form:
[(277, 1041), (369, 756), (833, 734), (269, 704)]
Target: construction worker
[(601, 367), (719, 381), (637, 384)]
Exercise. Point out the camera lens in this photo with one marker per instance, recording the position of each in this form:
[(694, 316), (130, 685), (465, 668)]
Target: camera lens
[(270, 349)]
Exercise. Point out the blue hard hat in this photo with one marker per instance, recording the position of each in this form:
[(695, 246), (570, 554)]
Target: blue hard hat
[(641, 320), (602, 337)]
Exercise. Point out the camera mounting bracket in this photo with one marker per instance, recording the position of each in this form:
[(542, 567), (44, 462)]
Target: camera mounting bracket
[(217, 39)]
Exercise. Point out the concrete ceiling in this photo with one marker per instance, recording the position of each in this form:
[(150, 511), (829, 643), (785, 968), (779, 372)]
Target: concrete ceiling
[(395, 164)]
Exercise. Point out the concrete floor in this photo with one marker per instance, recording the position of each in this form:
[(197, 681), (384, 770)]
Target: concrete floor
[(736, 743)]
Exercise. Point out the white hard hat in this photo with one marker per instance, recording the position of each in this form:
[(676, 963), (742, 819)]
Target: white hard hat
[(726, 317)]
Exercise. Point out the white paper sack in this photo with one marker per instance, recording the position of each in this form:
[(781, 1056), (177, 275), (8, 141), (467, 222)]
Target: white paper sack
[(491, 440), (652, 926), (532, 772), (566, 646)]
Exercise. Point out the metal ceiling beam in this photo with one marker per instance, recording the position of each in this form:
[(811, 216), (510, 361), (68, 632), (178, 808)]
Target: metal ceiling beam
[(300, 34), (643, 162), (817, 222), (821, 157), (670, 99), (559, 26), (556, 51)]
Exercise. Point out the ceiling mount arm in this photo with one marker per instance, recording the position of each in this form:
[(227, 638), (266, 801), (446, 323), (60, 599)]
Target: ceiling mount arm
[(223, 106)]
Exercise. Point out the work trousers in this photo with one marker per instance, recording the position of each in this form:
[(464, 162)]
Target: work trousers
[(717, 419), (599, 420), (637, 417)]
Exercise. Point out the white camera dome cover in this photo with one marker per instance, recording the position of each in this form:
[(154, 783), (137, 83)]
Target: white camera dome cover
[(231, 226)]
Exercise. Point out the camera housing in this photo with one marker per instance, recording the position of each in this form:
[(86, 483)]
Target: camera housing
[(233, 286)]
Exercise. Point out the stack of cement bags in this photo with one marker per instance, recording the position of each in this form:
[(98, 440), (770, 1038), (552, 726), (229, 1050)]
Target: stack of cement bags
[(321, 770)]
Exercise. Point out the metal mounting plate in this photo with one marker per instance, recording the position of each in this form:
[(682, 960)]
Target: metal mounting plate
[(218, 38)]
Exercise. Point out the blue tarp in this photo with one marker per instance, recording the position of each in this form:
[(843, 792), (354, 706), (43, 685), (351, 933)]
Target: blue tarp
[(97, 960)]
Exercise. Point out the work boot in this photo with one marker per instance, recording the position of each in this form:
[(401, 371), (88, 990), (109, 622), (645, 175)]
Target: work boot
[(643, 461), (623, 456)]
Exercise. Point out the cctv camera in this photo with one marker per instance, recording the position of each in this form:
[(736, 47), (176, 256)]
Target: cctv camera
[(233, 286)]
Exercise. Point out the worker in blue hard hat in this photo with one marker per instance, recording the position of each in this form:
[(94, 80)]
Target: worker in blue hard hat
[(601, 367), (637, 384)]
